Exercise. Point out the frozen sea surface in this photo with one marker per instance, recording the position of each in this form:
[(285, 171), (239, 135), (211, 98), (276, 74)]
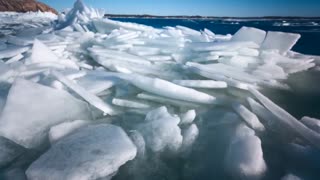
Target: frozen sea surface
[(86, 97)]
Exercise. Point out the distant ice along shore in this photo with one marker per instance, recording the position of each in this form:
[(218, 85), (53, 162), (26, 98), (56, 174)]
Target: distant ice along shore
[(86, 97)]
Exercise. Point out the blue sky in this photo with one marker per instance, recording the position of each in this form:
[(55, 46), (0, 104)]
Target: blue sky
[(201, 7)]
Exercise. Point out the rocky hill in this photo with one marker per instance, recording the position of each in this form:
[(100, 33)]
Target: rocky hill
[(24, 6)]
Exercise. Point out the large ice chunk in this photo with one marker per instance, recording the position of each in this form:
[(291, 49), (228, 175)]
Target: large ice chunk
[(31, 109), (160, 130), (249, 34), (93, 152), (244, 157), (280, 41)]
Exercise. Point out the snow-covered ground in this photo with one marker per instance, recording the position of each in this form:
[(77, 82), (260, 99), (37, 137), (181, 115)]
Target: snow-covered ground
[(88, 94)]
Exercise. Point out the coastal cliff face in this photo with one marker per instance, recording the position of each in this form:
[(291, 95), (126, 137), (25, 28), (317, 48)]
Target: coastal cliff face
[(25, 6)]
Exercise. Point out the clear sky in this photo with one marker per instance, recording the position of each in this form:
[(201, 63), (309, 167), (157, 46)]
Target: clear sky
[(201, 7)]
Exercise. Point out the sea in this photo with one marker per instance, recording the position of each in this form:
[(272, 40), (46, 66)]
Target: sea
[(303, 99)]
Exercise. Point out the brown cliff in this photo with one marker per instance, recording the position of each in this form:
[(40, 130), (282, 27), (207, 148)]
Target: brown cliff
[(25, 6)]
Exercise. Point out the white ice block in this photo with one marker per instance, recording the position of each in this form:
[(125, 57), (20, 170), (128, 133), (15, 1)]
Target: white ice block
[(41, 53), (92, 152), (249, 34), (31, 109), (160, 130), (189, 137), (244, 157), (250, 118), (201, 83)]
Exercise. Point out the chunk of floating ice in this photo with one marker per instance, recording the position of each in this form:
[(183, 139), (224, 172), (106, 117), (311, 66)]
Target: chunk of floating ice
[(280, 41), (94, 152), (288, 120), (160, 130), (28, 125), (96, 84), (91, 98), (8, 151), (130, 103), (312, 123), (41, 53), (249, 34), (168, 89), (244, 157), (189, 136), (188, 117), (59, 131), (250, 118), (12, 51), (201, 83)]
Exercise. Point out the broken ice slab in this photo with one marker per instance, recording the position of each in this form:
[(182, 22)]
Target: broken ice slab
[(312, 123), (59, 131), (164, 100), (210, 84), (131, 103), (12, 51), (250, 118), (244, 157), (170, 90), (27, 124), (160, 130), (249, 34), (288, 121), (92, 152), (90, 98), (280, 41)]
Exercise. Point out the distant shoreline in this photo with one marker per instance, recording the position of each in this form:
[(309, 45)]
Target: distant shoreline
[(208, 17)]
